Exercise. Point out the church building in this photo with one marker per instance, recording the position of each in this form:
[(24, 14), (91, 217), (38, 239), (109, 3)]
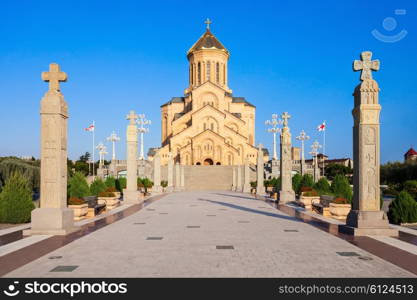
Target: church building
[(208, 125)]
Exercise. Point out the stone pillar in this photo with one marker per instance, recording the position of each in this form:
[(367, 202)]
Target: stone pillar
[(170, 176), (233, 178), (177, 186), (366, 217), (239, 179), (246, 181), (275, 168), (157, 188), (316, 173), (141, 168), (53, 216), (260, 187), (182, 180), (286, 193), (131, 194)]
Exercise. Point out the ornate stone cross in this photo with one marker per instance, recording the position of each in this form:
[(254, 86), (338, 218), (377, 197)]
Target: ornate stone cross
[(285, 116), (208, 22), (54, 76), (366, 65), (132, 117)]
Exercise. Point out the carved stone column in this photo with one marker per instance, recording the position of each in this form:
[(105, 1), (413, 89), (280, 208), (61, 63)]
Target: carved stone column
[(53, 216), (246, 182), (286, 193), (366, 216), (177, 186), (233, 178), (260, 187), (170, 176), (239, 179), (157, 188), (131, 194)]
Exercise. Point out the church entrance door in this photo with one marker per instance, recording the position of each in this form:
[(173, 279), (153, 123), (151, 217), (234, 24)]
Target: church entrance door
[(208, 162)]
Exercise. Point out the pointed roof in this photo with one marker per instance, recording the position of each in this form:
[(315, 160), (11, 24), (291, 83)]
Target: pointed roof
[(207, 41), (410, 152)]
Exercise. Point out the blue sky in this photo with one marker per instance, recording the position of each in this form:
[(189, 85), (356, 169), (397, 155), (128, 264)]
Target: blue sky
[(293, 56)]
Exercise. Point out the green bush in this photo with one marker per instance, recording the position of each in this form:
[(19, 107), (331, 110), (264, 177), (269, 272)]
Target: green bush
[(403, 209), (296, 181), (78, 186), (164, 183), (341, 187), (110, 182), (28, 169), (253, 184), (147, 183), (97, 186), (16, 200), (322, 186), (121, 183), (306, 181), (278, 183), (410, 186)]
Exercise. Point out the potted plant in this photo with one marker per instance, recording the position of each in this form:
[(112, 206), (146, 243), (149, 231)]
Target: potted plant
[(140, 185), (308, 197), (79, 207), (339, 208), (147, 184), (164, 184), (269, 185), (253, 187), (109, 199)]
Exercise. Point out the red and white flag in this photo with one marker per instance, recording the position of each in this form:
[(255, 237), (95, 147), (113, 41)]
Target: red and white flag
[(322, 127), (90, 128)]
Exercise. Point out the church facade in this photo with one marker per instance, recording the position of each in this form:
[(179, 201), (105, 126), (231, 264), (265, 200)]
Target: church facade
[(208, 125)]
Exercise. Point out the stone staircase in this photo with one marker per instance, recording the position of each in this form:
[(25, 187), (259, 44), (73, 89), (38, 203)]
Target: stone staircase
[(208, 178)]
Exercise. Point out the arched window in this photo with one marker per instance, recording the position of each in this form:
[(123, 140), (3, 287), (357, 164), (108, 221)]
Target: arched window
[(212, 127), (208, 71), (217, 73), (199, 73)]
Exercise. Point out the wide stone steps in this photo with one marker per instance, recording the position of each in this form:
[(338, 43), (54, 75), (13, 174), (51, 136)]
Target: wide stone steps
[(208, 177)]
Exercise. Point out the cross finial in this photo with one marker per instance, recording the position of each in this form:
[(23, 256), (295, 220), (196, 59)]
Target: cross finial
[(285, 116), (208, 22), (366, 65), (132, 117), (54, 76)]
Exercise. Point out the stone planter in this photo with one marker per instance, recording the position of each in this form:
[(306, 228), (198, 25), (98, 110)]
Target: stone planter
[(307, 202), (80, 211), (339, 211), (111, 202), (269, 188), (253, 190), (117, 194)]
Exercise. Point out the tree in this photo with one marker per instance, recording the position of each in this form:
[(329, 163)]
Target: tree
[(341, 187), (411, 187), (78, 186), (97, 186), (296, 181), (16, 200), (110, 182), (81, 166), (121, 183), (28, 169), (85, 158), (322, 186), (306, 181), (403, 209), (334, 169)]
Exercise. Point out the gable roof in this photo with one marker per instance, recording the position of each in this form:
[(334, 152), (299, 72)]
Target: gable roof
[(410, 152)]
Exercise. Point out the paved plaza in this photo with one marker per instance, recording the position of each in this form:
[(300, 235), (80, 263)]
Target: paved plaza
[(209, 234)]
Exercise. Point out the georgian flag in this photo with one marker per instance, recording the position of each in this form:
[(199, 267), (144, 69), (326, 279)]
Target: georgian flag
[(322, 127), (90, 128)]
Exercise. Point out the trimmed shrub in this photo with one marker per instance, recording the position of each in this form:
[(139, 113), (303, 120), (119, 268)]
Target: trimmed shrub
[(296, 181), (410, 186), (253, 184), (110, 182), (16, 200), (97, 186), (403, 209), (164, 183), (306, 181), (322, 186), (341, 187), (121, 183), (78, 186)]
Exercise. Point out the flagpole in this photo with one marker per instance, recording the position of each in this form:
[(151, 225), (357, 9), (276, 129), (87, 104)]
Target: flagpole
[(324, 144), (94, 143)]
